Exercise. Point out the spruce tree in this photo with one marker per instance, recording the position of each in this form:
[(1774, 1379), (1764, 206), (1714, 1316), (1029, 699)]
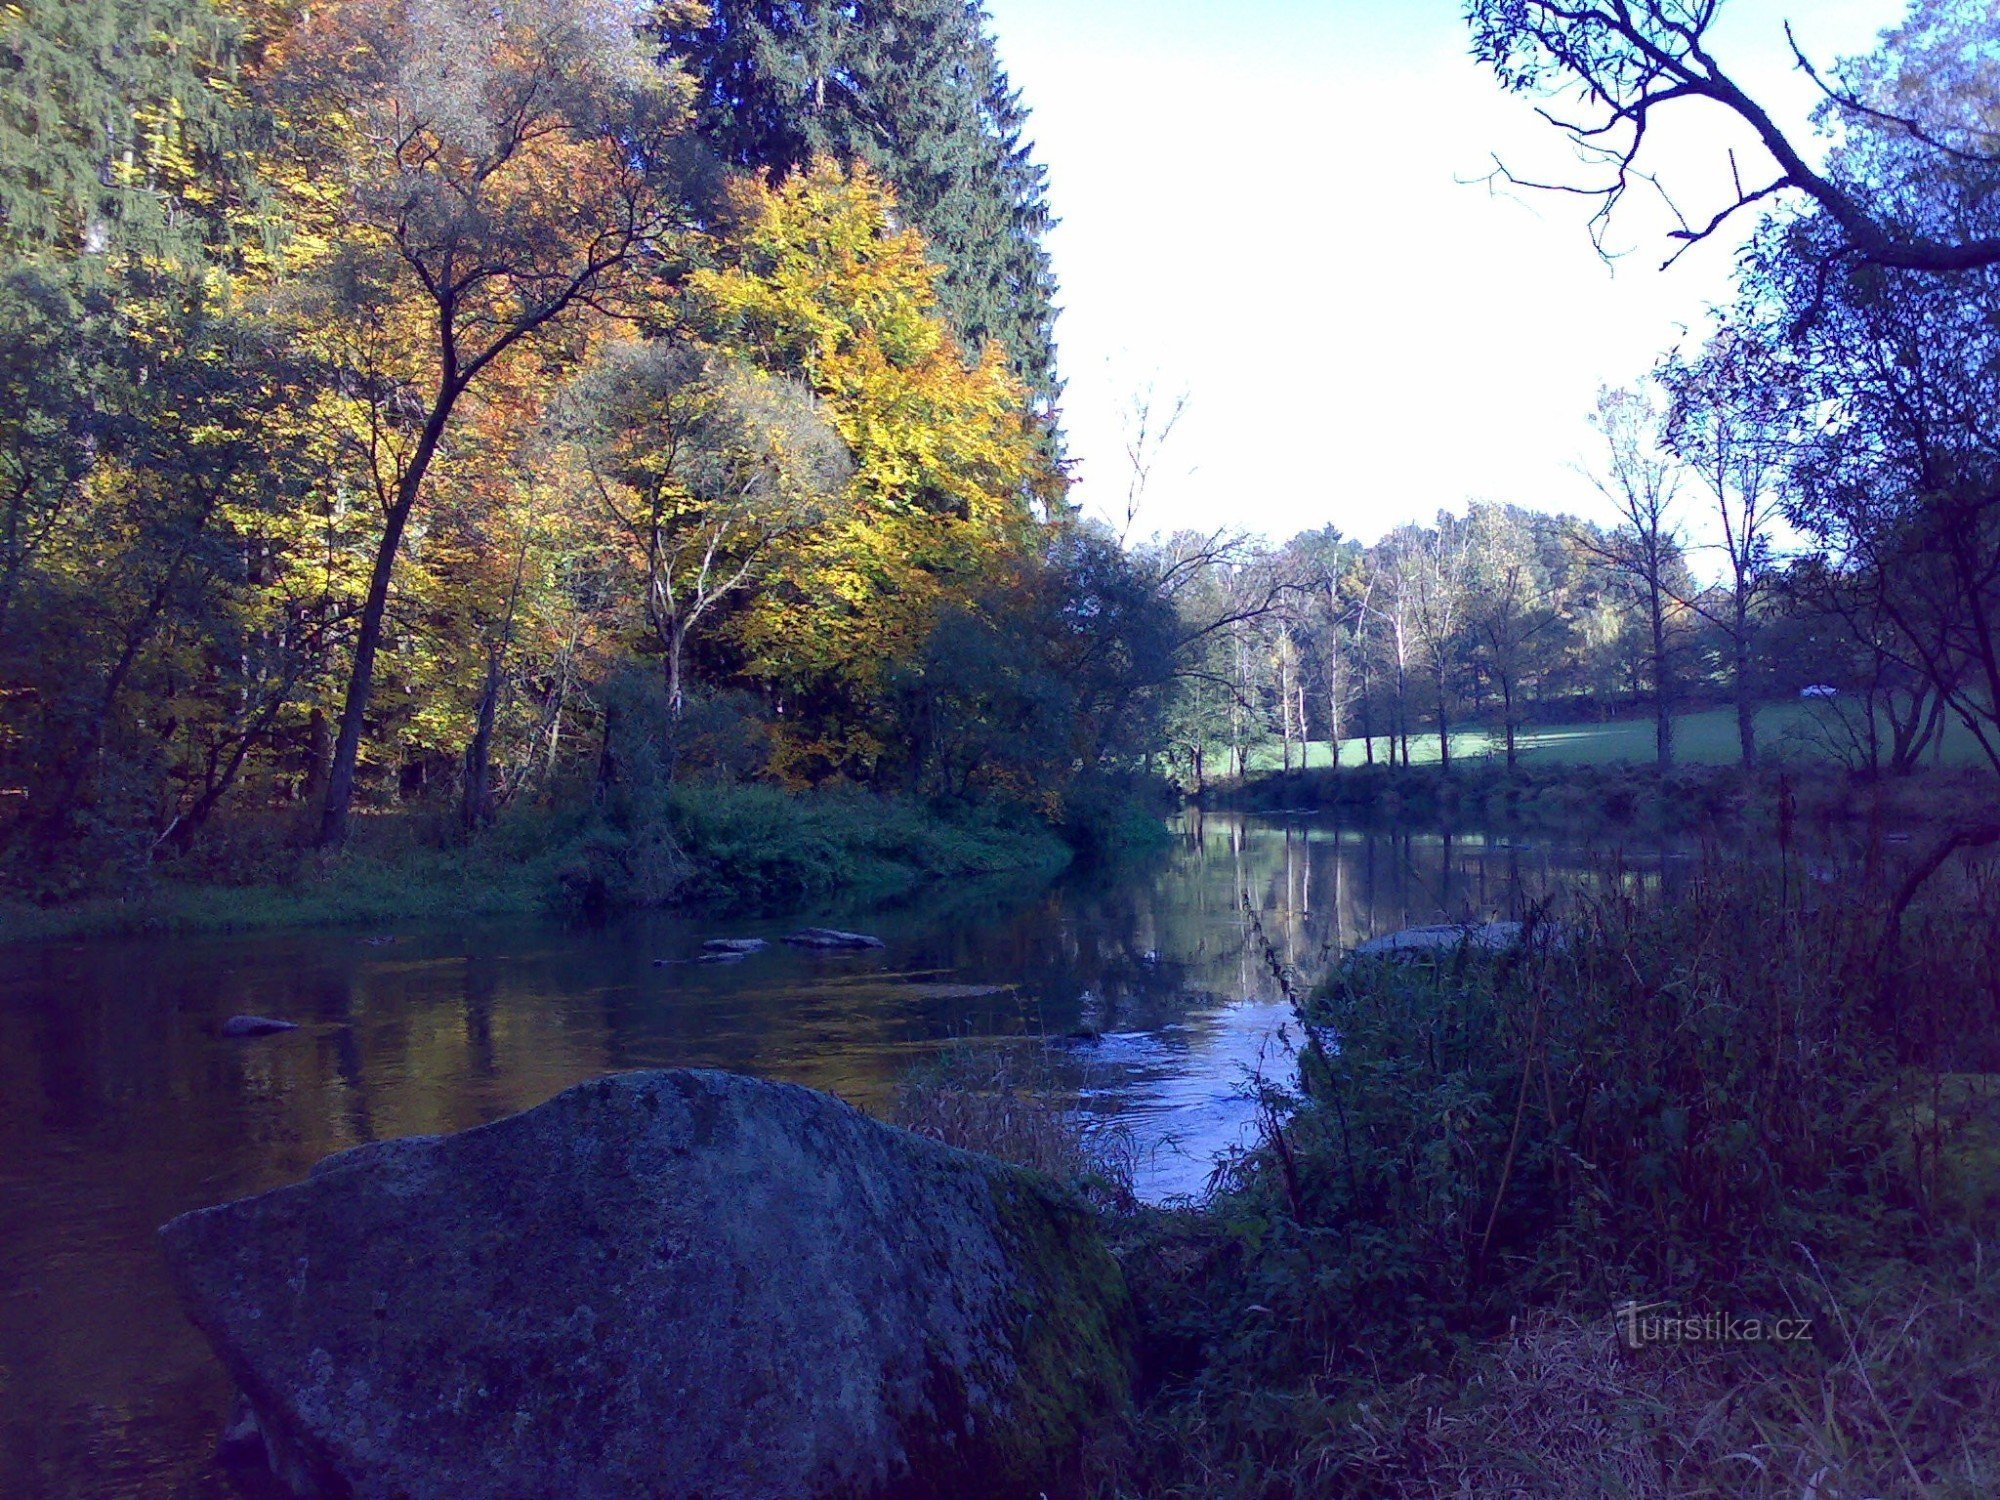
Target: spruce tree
[(915, 89), (119, 123)]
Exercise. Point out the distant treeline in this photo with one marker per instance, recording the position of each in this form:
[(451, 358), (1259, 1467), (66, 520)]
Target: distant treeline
[(1809, 499)]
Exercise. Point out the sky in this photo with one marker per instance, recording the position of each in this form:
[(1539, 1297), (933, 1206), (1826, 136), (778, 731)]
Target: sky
[(1265, 206)]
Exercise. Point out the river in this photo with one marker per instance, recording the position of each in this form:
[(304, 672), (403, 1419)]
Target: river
[(120, 1107)]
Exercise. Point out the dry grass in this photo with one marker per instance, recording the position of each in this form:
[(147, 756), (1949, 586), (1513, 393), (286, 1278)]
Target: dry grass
[(1896, 1400), (1900, 1397), (1731, 1095), (1006, 1102)]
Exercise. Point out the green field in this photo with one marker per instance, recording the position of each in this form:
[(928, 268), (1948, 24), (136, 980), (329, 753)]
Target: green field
[(1800, 732)]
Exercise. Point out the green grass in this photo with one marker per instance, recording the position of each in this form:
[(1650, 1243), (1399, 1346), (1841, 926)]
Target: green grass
[(1794, 732)]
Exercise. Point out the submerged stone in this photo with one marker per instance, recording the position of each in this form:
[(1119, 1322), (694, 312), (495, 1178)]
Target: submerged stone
[(1492, 937), (664, 1284), (831, 937), (239, 1027)]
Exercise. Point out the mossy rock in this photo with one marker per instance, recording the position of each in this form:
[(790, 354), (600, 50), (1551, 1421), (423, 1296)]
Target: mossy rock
[(665, 1284)]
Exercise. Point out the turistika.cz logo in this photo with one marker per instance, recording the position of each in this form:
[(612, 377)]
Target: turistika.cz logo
[(1641, 1324)]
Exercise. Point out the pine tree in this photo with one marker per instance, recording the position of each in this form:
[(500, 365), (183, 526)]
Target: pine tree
[(915, 89), (120, 124)]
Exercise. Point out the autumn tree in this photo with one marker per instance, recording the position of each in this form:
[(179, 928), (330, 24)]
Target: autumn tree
[(914, 90), (706, 467), (817, 283), (463, 181)]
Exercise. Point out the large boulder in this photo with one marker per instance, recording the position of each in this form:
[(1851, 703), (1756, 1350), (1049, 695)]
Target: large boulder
[(664, 1284)]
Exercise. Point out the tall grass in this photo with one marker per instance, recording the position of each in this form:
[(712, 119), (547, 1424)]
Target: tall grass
[(1008, 1103), (1730, 1098)]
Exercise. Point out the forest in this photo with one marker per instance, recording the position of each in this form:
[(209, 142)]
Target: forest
[(426, 417), (452, 410)]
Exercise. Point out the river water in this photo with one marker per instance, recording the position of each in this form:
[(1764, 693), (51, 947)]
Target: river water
[(120, 1107)]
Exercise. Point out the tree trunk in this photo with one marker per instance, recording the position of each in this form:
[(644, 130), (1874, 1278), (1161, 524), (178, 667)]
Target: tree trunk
[(1507, 710), (1746, 710), (319, 751), (676, 641), (607, 754), (1663, 720), (477, 805), (1285, 712), (374, 611), (1444, 729)]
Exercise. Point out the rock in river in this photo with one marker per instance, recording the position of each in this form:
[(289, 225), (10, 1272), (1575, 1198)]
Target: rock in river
[(737, 946), (663, 1284), (1492, 937), (248, 1026), (831, 937)]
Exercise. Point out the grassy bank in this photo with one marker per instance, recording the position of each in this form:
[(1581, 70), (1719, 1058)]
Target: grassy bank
[(1795, 733), (1738, 1102), (714, 846)]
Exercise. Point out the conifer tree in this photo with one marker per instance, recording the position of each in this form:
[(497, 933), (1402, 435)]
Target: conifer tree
[(915, 89), (120, 123)]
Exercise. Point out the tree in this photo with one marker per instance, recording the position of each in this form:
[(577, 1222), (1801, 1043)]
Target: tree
[(1725, 421), (816, 281), (915, 90), (121, 126), (1896, 476), (1393, 605), (706, 467), (1627, 60), (1509, 607), (462, 181), (1435, 567), (1639, 478)]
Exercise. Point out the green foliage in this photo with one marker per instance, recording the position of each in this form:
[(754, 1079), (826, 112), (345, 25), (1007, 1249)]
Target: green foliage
[(121, 127), (764, 846)]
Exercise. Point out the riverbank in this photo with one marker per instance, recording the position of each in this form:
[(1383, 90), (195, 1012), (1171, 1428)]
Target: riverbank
[(1691, 1194), (1740, 1113), (737, 848), (1686, 798)]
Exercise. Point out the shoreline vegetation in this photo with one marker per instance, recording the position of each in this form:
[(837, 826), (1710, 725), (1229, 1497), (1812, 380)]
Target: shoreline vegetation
[(1763, 1096), (735, 849), (1596, 799)]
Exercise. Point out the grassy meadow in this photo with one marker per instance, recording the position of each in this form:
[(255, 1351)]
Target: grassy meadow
[(1796, 732)]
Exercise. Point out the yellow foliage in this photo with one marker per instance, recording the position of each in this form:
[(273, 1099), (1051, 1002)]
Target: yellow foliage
[(812, 277)]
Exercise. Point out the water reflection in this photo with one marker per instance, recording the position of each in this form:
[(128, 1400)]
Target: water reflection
[(120, 1108)]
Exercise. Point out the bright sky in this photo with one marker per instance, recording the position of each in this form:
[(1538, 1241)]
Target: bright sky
[(1260, 208)]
